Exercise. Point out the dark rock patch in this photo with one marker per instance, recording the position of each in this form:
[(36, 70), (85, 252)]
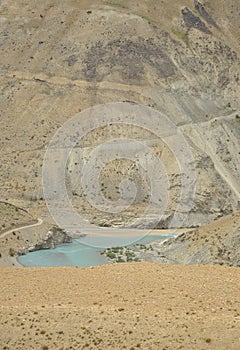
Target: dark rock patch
[(193, 21), (202, 11), (71, 60), (128, 58)]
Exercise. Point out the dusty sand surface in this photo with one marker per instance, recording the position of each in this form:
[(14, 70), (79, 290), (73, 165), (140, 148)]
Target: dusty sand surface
[(96, 232), (120, 306)]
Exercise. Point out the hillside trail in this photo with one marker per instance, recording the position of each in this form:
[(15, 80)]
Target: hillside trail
[(39, 222), (205, 147), (225, 174), (60, 80)]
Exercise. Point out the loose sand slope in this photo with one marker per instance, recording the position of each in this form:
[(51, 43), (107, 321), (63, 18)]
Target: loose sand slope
[(144, 305)]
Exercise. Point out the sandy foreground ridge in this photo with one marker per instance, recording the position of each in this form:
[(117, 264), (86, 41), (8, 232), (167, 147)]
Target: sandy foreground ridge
[(120, 306)]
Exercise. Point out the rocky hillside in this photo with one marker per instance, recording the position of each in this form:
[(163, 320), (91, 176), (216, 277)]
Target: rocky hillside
[(179, 57), (12, 216), (216, 243)]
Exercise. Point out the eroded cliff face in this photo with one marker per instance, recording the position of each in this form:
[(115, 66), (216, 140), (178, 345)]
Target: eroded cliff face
[(54, 237), (180, 58), (216, 243)]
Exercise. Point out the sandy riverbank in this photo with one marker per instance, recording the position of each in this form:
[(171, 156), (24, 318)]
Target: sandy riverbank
[(10, 262), (122, 232)]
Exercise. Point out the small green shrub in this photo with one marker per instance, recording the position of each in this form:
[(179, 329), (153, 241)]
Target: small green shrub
[(137, 260), (208, 340), (129, 254), (11, 252), (111, 255), (116, 249), (182, 36), (142, 246)]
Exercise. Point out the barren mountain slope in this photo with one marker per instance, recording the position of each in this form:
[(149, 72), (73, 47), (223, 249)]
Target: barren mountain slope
[(182, 58), (12, 216), (216, 243)]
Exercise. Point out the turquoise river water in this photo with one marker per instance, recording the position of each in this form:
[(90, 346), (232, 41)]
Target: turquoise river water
[(75, 254)]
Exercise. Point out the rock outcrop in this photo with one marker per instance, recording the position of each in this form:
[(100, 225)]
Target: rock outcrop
[(217, 243), (54, 237)]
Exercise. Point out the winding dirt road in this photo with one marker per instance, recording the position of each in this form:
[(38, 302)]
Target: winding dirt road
[(4, 234)]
